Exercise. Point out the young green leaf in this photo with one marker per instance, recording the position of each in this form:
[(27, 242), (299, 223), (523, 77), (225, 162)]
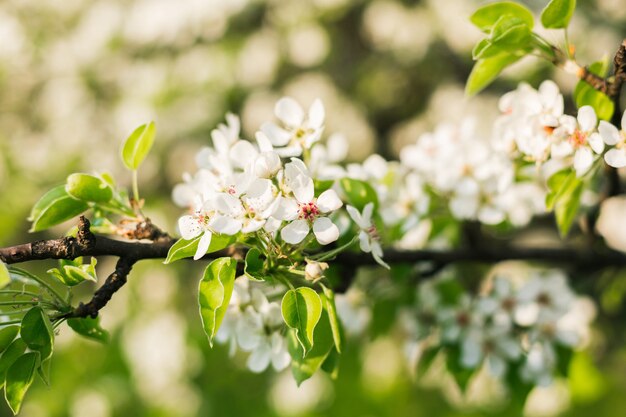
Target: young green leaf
[(486, 16), (358, 192), (10, 354), (557, 14), (88, 188), (302, 309), (304, 366), (89, 328), (486, 70), (7, 335), (56, 206), (586, 95), (37, 332), (187, 248), (254, 265), (510, 33), (5, 277), (74, 272), (137, 145), (214, 292), (20, 376)]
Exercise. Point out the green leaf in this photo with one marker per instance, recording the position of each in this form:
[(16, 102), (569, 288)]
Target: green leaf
[(19, 378), (557, 14), (510, 33), (485, 17), (187, 248), (486, 70), (88, 188), (74, 272), (56, 206), (137, 145), (426, 359), (564, 356), (302, 309), (518, 388), (89, 328), (255, 265), (5, 277), (37, 332), (11, 353), (328, 301), (304, 365), (214, 292), (486, 49), (331, 364), (567, 208), (359, 193), (7, 335)]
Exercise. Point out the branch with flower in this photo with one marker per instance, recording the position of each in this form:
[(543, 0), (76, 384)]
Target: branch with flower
[(285, 223)]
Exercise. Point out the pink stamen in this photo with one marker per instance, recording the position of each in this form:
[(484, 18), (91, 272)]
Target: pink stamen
[(309, 211)]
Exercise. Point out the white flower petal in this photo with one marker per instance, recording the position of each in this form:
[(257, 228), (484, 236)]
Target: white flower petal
[(276, 135), (303, 189), (616, 158), (287, 209), (583, 159), (587, 118), (295, 232), (289, 111), (365, 242), (609, 133), (596, 142), (316, 114), (225, 225), (259, 359), (356, 217), (203, 245), (189, 227), (328, 201), (325, 230), (497, 365)]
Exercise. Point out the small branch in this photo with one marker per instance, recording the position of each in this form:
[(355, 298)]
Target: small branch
[(619, 64), (103, 295)]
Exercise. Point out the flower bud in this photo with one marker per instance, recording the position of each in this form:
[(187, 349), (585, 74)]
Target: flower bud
[(314, 271)]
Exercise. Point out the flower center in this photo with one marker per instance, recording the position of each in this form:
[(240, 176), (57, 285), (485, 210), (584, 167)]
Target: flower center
[(309, 211), (373, 232), (578, 139)]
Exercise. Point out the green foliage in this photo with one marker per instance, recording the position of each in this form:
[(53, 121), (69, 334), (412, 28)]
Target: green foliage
[(564, 198), (486, 70), (302, 309), (358, 193), (137, 145), (19, 378), (74, 272), (557, 14), (5, 277), (328, 301), (88, 188), (255, 265), (187, 248), (7, 335), (89, 328), (486, 16), (586, 95), (461, 375), (56, 206), (37, 333), (10, 354), (214, 292), (586, 382), (305, 364), (426, 359)]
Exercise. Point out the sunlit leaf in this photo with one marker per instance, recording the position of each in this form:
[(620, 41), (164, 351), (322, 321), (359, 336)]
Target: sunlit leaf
[(358, 193), (56, 206), (557, 14), (137, 145), (302, 309), (37, 332), (88, 188), (214, 292), (486, 16), (89, 328), (20, 376), (486, 70)]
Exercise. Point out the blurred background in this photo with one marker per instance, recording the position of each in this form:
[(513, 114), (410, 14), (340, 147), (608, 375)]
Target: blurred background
[(76, 76)]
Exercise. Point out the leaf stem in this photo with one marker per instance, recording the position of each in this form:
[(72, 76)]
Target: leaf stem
[(135, 186), (41, 281)]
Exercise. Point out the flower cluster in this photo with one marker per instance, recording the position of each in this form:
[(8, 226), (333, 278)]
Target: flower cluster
[(511, 325), (534, 128), (243, 187)]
